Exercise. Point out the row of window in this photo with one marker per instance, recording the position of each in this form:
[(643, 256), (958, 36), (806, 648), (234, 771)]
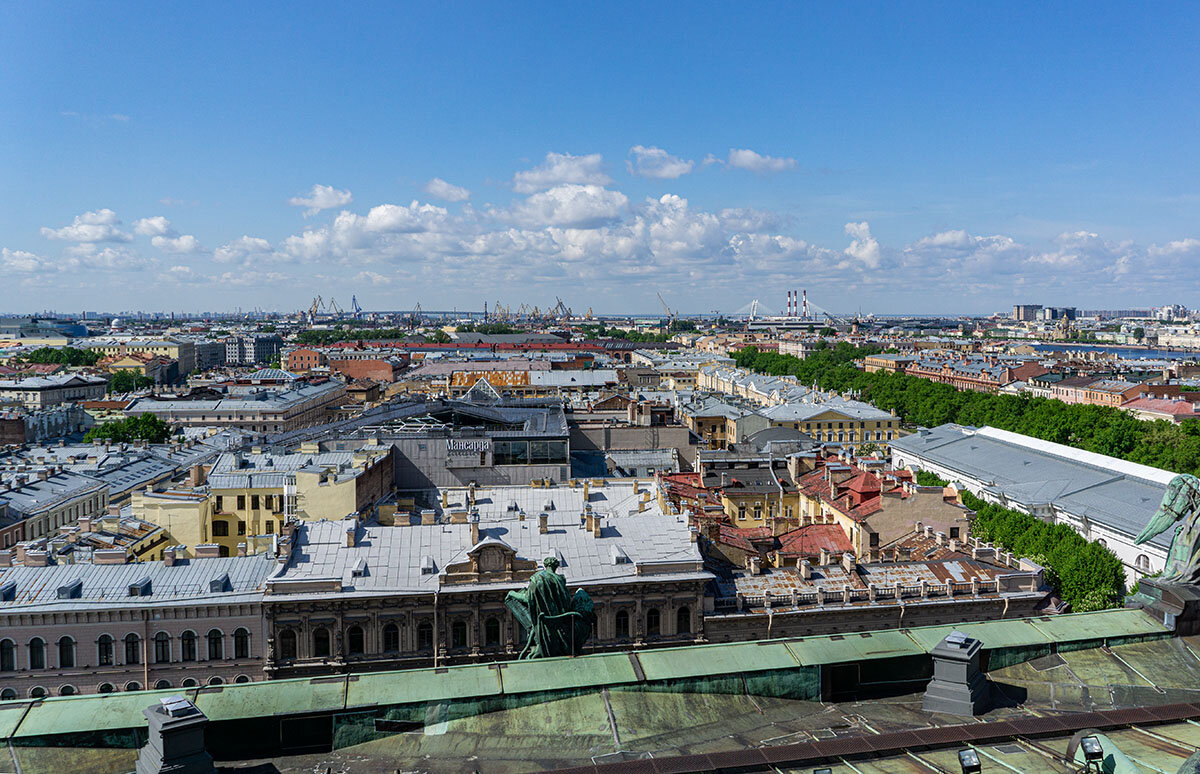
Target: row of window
[(257, 502), (38, 692), (356, 636), (132, 649)]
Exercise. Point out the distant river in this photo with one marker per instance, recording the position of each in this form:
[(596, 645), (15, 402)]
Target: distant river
[(1125, 352)]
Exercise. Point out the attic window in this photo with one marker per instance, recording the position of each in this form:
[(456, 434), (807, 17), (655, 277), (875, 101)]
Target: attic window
[(8, 592), (360, 568), (618, 556), (220, 584), (140, 588), (427, 566), (72, 590)]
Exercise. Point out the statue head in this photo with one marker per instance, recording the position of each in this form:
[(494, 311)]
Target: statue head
[(550, 563), (1182, 495)]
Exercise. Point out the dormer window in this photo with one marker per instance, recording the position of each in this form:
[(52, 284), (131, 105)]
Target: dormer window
[(140, 588)]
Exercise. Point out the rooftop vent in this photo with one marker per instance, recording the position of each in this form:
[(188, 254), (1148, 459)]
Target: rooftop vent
[(220, 584), (140, 588), (72, 590)]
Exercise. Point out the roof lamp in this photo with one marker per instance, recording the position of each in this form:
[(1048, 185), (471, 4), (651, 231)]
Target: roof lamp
[(969, 761)]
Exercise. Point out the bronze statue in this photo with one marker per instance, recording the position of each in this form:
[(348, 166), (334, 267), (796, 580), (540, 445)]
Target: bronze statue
[(557, 624), (1180, 507)]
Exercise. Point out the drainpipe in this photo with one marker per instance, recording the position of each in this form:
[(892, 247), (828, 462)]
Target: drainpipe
[(145, 653), (435, 629)]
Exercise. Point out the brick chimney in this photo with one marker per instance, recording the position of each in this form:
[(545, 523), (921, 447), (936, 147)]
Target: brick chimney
[(208, 551), (85, 523), (543, 523), (474, 522), (351, 534), (805, 569), (848, 562), (241, 551), (109, 556), (824, 557), (114, 510), (169, 556), (196, 477)]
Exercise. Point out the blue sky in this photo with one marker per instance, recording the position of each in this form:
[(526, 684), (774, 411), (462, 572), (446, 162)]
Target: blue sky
[(894, 157)]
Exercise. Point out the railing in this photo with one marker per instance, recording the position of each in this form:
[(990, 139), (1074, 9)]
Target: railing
[(842, 594)]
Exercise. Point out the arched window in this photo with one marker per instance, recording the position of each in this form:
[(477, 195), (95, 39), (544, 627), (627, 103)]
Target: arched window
[(321, 643), (104, 650), (8, 694), (160, 685), (242, 679), (1142, 562), (216, 645), (491, 632), (652, 622), (458, 635), (1103, 543), (622, 624), (287, 645), (133, 685), (187, 646), (241, 643), (391, 638), (66, 653), (105, 688), (37, 653), (133, 649), (425, 636), (37, 692), (683, 620), (8, 656), (214, 680), (189, 682), (162, 648), (355, 641)]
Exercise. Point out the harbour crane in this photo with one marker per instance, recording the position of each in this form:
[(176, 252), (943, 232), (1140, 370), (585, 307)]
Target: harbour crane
[(670, 315), (357, 310)]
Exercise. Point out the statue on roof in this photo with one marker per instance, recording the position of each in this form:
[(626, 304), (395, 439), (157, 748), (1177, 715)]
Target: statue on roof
[(557, 623), (1180, 508)]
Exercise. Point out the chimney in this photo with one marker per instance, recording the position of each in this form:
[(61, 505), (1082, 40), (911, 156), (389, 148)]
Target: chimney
[(928, 530), (755, 565), (724, 480), (169, 557), (196, 478), (114, 510), (848, 562), (241, 549), (445, 498), (109, 556), (474, 522), (6, 558), (22, 551), (208, 551), (941, 538), (85, 523), (589, 519), (824, 557), (805, 569), (543, 523)]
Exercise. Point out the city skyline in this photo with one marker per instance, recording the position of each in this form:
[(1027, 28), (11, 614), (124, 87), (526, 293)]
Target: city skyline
[(714, 158)]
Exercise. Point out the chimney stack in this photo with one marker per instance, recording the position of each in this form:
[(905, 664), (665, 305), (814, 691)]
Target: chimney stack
[(824, 557), (169, 557), (848, 562), (543, 523), (805, 569), (474, 522)]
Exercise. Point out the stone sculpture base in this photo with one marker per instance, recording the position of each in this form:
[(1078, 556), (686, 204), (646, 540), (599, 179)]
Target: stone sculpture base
[(1176, 605), (958, 687)]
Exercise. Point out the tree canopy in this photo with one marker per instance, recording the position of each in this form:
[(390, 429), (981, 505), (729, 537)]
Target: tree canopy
[(126, 380), (146, 427), (69, 356)]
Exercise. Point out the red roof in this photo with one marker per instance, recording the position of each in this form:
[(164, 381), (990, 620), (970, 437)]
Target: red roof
[(810, 539), (1178, 408)]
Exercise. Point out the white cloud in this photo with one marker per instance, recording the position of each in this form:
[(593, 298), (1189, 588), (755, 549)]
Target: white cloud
[(22, 261), (744, 158), (93, 226), (560, 168), (447, 191), (863, 248), (185, 243), (571, 206), (241, 249), (321, 197), (657, 163), (155, 226)]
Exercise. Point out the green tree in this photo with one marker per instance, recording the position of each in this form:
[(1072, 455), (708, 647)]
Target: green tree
[(146, 427), (126, 380), (68, 356)]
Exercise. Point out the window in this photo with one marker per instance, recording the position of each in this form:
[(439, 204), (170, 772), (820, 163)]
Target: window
[(254, 502), (67, 690), (219, 504), (622, 624), (37, 692), (215, 681), (1142, 562), (220, 529), (133, 649), (954, 533), (8, 694), (133, 685), (391, 638), (187, 646), (458, 635), (216, 645), (66, 653), (287, 645), (160, 685), (105, 688), (652, 622), (355, 641), (37, 653), (683, 620), (241, 527), (491, 632), (189, 682), (241, 679), (162, 648), (241, 643), (104, 650), (8, 656), (425, 636), (321, 643)]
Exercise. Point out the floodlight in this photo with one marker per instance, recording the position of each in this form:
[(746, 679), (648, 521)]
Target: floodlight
[(1092, 749), (969, 760)]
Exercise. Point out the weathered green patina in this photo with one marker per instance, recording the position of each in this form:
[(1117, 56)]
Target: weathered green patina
[(1180, 508), (557, 623)]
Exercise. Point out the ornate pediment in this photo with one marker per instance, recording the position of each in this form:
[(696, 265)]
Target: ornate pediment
[(491, 560)]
